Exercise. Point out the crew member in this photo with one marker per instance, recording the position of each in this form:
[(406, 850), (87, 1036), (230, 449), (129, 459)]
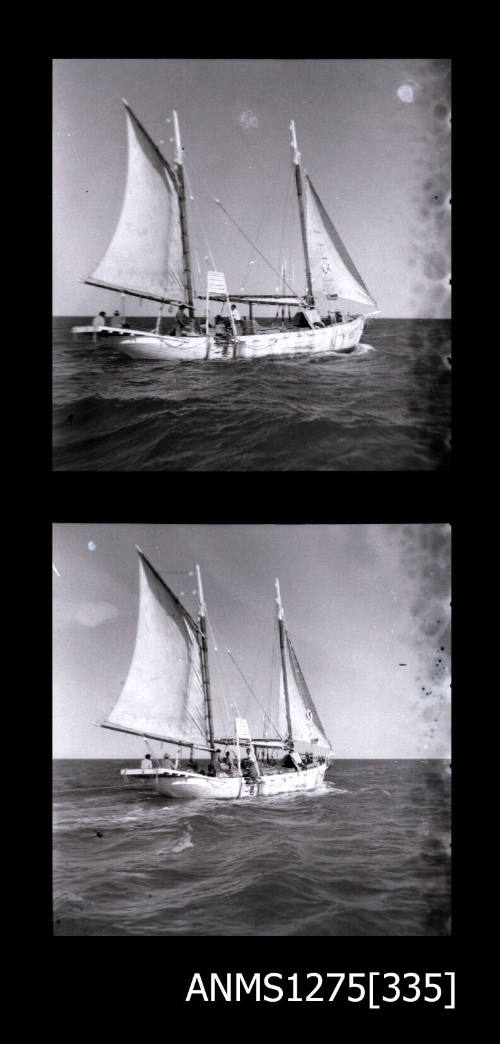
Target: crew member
[(248, 767), (236, 319), (181, 321), (97, 322), (292, 759)]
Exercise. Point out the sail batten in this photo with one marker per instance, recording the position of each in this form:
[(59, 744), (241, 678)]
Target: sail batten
[(333, 271), (163, 695), (145, 255)]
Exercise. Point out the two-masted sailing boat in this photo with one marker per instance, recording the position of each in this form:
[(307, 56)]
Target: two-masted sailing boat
[(167, 696), (149, 257)]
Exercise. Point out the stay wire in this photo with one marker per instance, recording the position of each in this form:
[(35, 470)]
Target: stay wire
[(252, 244), (253, 694), (235, 223)]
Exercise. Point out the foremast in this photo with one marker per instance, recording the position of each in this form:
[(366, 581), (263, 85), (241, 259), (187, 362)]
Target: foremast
[(300, 197), (179, 169), (202, 624)]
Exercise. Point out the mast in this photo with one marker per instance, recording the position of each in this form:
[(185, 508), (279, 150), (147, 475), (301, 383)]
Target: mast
[(283, 660), (204, 667), (298, 182), (182, 206)]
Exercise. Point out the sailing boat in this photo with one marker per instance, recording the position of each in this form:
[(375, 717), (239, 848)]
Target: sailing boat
[(149, 257), (167, 696)]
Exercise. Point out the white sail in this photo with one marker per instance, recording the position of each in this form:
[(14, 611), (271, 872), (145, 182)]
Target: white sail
[(145, 255), (305, 723), (163, 693), (333, 272)]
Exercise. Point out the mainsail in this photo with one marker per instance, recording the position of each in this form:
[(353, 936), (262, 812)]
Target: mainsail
[(163, 695), (305, 723), (145, 256), (333, 272)]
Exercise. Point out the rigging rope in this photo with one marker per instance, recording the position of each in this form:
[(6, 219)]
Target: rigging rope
[(235, 223), (199, 218), (264, 258), (230, 706), (262, 222), (253, 694)]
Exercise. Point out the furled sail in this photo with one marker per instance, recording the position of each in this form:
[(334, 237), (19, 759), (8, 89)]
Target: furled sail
[(145, 256), (333, 272), (304, 718), (163, 694)]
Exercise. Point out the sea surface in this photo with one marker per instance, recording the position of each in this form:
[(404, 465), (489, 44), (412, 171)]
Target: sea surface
[(384, 407), (368, 854)]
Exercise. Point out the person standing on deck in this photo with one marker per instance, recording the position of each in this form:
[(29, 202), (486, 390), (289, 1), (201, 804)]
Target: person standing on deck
[(221, 766), (99, 320), (292, 759), (236, 319), (232, 763), (181, 321), (248, 767)]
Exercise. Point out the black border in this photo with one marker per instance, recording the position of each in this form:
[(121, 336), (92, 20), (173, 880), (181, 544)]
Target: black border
[(146, 991)]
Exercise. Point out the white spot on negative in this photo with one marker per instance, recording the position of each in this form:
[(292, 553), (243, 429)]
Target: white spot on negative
[(405, 92)]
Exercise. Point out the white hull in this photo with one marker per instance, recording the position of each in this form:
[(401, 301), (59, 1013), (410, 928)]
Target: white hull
[(186, 785), (144, 346), (112, 331), (341, 337), (338, 338)]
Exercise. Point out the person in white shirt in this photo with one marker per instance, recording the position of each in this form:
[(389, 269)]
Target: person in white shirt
[(236, 318)]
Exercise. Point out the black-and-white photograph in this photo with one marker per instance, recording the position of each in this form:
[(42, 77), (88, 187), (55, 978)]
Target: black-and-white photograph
[(251, 264), (251, 729)]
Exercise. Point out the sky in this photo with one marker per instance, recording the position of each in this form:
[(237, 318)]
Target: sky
[(374, 134), (367, 608)]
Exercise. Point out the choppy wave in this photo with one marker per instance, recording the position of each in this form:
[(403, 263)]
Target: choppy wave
[(366, 855), (384, 406)]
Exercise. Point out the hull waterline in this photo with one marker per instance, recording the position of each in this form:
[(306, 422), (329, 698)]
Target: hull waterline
[(342, 337), (188, 786), (168, 348)]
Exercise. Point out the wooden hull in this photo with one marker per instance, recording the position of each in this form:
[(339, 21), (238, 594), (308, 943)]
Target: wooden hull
[(103, 331), (342, 337), (185, 785), (169, 349)]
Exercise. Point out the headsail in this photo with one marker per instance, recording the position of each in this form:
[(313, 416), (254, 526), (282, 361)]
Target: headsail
[(333, 271), (145, 256), (163, 694), (304, 719)]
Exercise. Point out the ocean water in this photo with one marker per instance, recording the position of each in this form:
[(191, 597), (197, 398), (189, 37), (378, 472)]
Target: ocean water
[(368, 854), (384, 407)]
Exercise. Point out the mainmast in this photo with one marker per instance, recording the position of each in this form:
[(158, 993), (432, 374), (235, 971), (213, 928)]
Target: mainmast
[(298, 181), (182, 206), (202, 620), (281, 626)]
